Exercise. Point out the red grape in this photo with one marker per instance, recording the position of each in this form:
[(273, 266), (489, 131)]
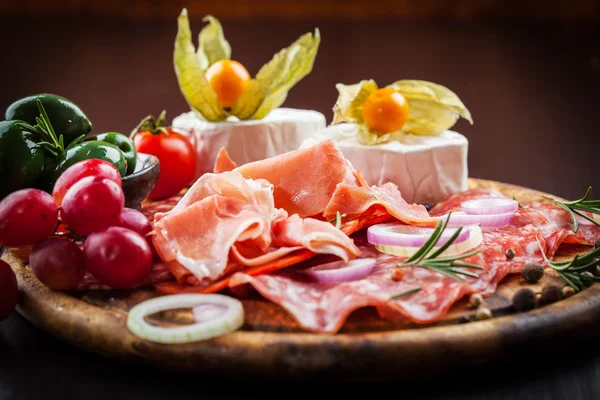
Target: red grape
[(81, 169), (92, 204), (26, 217), (137, 222), (58, 263), (118, 257), (9, 291)]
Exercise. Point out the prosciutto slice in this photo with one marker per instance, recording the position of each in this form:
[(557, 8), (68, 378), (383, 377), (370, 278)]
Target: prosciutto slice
[(304, 180), (354, 201), (225, 214)]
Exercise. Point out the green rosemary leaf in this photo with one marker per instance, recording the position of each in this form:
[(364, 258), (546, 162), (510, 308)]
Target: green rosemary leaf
[(569, 282), (466, 265), (447, 244), (588, 256), (458, 256), (586, 217), (435, 237), (461, 272), (586, 267), (405, 293), (587, 194), (338, 222), (573, 217), (445, 271)]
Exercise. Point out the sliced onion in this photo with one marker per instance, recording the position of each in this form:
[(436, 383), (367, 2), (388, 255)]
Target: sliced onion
[(230, 319), (475, 238), (461, 218), (396, 234), (488, 206), (339, 271)]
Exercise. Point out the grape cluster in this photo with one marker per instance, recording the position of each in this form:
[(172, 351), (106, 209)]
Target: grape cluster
[(83, 227)]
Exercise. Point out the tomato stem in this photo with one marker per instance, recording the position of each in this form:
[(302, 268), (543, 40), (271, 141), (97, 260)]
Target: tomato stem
[(154, 126)]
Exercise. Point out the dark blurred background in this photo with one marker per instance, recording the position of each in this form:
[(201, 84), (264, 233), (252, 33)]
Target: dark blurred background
[(529, 71)]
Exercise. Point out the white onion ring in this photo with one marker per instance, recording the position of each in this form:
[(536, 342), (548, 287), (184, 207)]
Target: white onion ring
[(395, 234), (474, 240), (489, 206), (461, 218), (339, 272), (230, 320)]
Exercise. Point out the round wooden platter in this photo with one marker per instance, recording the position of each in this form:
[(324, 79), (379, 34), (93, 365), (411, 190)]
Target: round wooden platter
[(271, 343)]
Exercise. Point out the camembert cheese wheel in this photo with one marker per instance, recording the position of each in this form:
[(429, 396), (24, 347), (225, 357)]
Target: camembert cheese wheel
[(426, 169), (282, 130)]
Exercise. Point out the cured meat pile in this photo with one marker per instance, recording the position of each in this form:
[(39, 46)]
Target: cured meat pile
[(259, 223)]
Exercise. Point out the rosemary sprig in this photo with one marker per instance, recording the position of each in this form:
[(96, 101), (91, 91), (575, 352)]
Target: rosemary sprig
[(573, 271), (444, 265), (44, 129), (520, 206), (405, 293), (337, 219), (577, 206)]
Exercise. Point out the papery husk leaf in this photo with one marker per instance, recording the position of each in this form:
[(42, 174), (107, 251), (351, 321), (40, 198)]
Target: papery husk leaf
[(433, 108), (349, 105), (212, 45), (269, 89), (370, 137), (190, 76)]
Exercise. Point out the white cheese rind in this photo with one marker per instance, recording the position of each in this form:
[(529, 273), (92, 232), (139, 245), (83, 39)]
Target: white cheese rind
[(282, 130), (427, 169)]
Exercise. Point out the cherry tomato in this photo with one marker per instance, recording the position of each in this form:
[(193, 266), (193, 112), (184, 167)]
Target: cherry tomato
[(26, 217), (81, 169), (92, 204), (118, 257), (177, 159), (9, 290), (228, 79), (385, 110), (58, 263)]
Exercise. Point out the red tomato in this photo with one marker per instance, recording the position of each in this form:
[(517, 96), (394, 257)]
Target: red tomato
[(177, 159)]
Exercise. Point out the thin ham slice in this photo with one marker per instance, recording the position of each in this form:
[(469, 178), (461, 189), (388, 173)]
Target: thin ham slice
[(354, 201), (223, 163), (304, 180), (225, 222)]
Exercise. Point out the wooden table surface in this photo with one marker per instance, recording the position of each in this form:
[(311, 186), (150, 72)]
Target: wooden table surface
[(532, 89)]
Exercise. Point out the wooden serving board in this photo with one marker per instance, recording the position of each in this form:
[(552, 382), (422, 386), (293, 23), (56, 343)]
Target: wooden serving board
[(272, 344)]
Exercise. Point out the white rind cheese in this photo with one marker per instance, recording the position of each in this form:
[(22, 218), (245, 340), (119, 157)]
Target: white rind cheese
[(282, 130), (426, 169)]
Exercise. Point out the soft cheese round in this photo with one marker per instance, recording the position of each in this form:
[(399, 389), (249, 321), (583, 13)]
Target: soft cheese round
[(282, 130), (426, 169)]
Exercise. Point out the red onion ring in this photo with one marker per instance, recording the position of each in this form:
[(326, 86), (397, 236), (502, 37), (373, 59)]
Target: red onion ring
[(460, 218), (396, 234), (489, 206), (339, 272)]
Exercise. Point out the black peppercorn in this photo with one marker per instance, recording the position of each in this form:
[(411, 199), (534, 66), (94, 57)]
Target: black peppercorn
[(524, 300), (532, 272), (427, 206), (551, 294), (510, 254), (464, 319)]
